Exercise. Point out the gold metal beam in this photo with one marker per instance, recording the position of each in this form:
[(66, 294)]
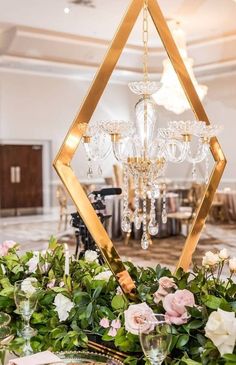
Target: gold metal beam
[(199, 111), (78, 127)]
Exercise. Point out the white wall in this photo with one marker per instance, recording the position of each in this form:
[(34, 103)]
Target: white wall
[(42, 108), (37, 107), (221, 108)]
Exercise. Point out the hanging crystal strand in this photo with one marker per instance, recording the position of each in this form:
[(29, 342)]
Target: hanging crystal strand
[(194, 172), (207, 169), (99, 170), (126, 222), (164, 212), (137, 217), (153, 226), (90, 170), (145, 241)]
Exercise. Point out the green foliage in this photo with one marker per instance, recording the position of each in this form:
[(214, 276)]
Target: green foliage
[(95, 300)]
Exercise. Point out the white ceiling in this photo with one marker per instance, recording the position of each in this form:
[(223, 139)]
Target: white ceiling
[(200, 18), (45, 35)]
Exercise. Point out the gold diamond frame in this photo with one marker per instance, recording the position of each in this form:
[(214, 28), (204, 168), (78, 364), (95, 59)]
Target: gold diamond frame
[(73, 138)]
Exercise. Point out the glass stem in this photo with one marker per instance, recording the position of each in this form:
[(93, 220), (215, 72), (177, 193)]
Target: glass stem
[(26, 321)]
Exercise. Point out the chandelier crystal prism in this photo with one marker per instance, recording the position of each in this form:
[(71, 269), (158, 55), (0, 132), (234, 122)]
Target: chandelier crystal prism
[(144, 149)]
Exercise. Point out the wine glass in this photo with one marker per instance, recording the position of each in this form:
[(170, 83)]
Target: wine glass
[(5, 335), (26, 298), (155, 338)]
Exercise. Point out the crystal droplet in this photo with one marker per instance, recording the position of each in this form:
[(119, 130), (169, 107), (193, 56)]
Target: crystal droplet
[(145, 241), (126, 224), (153, 227), (137, 221), (164, 216), (194, 173), (99, 170), (90, 173)]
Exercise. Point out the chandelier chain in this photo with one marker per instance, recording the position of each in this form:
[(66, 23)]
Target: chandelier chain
[(145, 69), (145, 40)]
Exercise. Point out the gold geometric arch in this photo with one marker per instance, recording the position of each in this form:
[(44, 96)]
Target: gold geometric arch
[(63, 159)]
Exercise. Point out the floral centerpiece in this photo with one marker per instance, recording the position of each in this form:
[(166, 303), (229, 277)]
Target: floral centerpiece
[(87, 301)]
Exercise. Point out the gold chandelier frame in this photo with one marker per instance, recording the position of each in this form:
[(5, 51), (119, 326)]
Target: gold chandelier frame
[(78, 127)]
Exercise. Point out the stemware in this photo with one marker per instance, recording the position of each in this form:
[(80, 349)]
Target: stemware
[(5, 335), (26, 298), (155, 338)]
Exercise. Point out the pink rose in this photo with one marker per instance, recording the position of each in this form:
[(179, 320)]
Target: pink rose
[(104, 323), (165, 286), (5, 246), (158, 297), (139, 315), (175, 305), (167, 283)]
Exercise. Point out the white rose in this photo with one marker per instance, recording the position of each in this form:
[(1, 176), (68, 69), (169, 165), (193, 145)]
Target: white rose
[(221, 329), (63, 306), (105, 275), (223, 254), (27, 287), (232, 265), (90, 256), (210, 259)]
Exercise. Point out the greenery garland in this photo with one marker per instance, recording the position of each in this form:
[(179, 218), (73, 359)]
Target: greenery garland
[(89, 302)]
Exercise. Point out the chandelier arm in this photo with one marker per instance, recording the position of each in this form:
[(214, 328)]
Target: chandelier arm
[(183, 147), (200, 155)]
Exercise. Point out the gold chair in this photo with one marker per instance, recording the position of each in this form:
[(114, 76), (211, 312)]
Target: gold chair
[(62, 200)]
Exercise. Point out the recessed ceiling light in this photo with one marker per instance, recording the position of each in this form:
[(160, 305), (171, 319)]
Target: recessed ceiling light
[(66, 10)]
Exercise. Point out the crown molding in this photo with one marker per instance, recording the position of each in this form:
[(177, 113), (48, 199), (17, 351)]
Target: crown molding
[(39, 51)]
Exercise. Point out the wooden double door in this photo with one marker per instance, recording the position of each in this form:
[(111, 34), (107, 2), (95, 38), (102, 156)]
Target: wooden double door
[(21, 177)]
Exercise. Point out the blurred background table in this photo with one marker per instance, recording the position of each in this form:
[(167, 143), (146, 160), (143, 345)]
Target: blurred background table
[(114, 208), (224, 206)]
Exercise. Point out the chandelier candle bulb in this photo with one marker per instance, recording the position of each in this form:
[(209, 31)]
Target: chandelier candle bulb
[(67, 259)]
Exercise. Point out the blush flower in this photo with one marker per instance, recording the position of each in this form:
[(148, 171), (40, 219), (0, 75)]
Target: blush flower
[(116, 324), (51, 283), (166, 285), (6, 246), (221, 329), (112, 332), (105, 323), (175, 305), (136, 315)]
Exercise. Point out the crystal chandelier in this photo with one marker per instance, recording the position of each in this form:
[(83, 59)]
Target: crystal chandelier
[(144, 149), (171, 94)]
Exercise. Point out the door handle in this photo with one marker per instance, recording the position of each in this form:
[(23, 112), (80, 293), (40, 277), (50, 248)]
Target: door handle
[(12, 174), (17, 174)]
